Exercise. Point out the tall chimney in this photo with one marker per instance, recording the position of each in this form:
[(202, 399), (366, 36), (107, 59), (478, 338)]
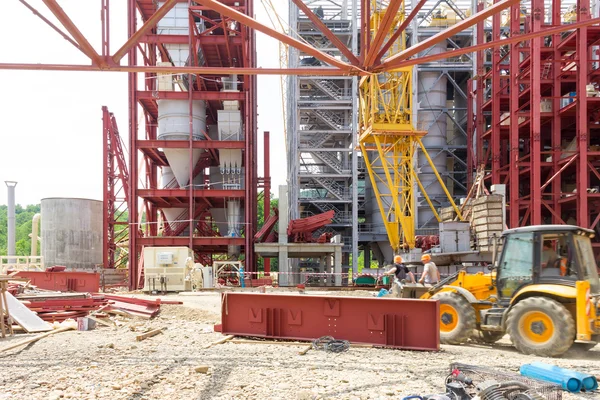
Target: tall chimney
[(11, 217)]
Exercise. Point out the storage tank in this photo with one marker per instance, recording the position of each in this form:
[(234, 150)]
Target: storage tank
[(72, 233), (432, 100)]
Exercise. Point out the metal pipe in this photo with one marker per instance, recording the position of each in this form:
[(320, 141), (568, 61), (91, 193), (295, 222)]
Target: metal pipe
[(11, 217), (267, 192), (35, 224)]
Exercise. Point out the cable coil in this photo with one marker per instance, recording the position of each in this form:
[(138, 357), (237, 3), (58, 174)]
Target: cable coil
[(329, 344)]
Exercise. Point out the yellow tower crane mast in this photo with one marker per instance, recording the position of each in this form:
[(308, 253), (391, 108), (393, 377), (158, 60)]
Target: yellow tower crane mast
[(389, 140)]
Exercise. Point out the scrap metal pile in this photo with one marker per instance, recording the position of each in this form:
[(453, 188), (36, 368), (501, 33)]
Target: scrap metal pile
[(302, 230), (35, 309)]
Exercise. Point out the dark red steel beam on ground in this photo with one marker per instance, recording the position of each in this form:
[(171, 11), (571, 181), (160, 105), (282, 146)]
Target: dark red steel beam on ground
[(400, 323), (327, 32), (495, 43), (391, 62), (401, 28), (254, 24), (148, 25), (184, 70), (64, 19), (382, 31), (56, 28)]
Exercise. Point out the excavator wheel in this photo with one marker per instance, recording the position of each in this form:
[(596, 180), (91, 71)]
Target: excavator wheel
[(541, 326), (457, 318), (487, 336)]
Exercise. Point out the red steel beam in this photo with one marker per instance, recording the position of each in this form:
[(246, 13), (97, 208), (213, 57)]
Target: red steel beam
[(391, 62), (184, 70), (184, 144), (218, 193), (254, 24), (183, 39), (382, 31), (495, 43), (56, 28), (184, 241), (327, 32), (582, 122), (64, 19), (148, 25), (400, 29), (400, 323), (202, 95)]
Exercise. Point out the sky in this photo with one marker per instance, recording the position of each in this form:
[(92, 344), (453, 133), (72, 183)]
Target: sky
[(51, 122)]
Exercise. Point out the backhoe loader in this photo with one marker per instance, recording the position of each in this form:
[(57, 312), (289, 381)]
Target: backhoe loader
[(543, 291)]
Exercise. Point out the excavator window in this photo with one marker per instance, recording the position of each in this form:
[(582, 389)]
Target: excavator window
[(516, 265), (556, 256), (585, 253)]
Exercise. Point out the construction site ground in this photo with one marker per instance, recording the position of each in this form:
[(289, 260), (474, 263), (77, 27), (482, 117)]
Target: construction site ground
[(108, 363)]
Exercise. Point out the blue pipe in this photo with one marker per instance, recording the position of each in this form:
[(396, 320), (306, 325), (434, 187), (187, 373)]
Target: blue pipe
[(588, 382), (568, 383)]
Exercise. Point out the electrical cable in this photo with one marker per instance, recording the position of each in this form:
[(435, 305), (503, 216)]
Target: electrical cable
[(329, 344)]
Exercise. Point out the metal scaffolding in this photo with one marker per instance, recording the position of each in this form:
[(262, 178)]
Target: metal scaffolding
[(535, 114), (320, 124)]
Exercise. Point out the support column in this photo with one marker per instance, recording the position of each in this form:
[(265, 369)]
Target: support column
[(535, 124), (284, 266), (583, 218), (513, 171)]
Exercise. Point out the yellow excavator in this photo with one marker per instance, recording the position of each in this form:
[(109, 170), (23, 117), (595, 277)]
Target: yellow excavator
[(543, 291)]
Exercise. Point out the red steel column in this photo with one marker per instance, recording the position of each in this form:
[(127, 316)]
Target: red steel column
[(583, 218), (535, 126), (267, 192), (133, 154), (556, 186), (513, 170), (470, 132), (495, 133), (479, 118)]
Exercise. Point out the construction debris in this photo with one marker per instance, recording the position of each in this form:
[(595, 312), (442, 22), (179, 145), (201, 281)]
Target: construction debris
[(65, 326), (149, 334)]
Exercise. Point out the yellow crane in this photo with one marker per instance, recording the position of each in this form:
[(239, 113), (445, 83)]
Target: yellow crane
[(389, 140)]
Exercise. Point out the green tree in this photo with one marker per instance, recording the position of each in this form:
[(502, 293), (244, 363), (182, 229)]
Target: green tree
[(23, 222)]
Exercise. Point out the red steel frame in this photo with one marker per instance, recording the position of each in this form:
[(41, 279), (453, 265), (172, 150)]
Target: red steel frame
[(116, 191), (529, 153), (221, 49)]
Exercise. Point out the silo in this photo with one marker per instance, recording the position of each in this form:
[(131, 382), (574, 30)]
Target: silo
[(72, 233), (432, 100)]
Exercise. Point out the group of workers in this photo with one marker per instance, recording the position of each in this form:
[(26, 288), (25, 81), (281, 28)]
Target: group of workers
[(430, 275)]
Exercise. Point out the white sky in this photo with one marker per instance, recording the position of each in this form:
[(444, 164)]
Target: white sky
[(51, 122)]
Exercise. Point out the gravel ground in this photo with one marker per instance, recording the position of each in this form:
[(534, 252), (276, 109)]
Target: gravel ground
[(110, 364)]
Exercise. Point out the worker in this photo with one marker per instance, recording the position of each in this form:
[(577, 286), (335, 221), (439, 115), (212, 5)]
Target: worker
[(431, 274), (319, 12), (552, 264), (400, 270), (549, 256)]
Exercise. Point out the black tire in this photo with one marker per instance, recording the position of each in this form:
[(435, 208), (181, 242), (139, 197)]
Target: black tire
[(455, 331), (526, 325), (487, 336)]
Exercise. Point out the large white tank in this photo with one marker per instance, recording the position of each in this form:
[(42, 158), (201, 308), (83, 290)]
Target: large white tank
[(174, 124), (432, 99), (72, 233)]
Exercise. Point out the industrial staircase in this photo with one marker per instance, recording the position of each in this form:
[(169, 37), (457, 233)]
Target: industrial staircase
[(331, 89), (332, 187), (332, 161), (331, 119)]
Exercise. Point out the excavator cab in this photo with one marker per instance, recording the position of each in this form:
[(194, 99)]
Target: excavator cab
[(547, 254)]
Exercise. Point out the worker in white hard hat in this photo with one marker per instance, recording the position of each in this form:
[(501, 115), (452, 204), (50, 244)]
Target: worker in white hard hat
[(431, 274), (400, 270)]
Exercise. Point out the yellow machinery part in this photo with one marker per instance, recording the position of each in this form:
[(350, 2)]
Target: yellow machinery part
[(388, 141)]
